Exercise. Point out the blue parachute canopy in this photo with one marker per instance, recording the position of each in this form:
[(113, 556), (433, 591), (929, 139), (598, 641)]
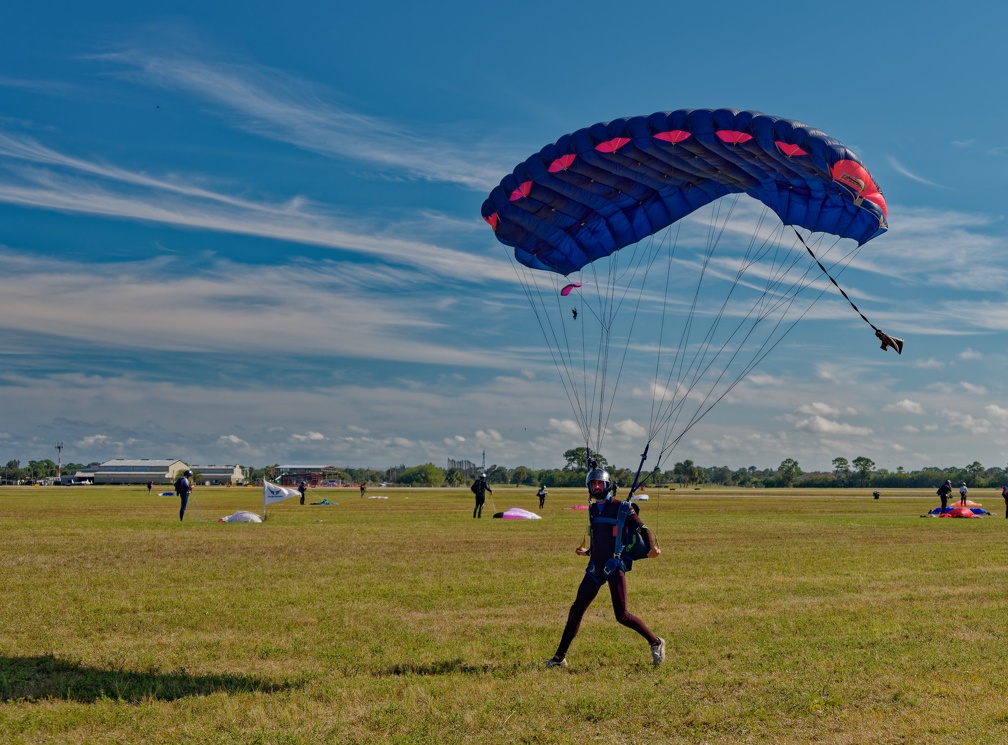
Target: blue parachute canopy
[(612, 184)]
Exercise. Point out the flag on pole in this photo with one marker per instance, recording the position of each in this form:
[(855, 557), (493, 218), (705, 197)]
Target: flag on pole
[(275, 493)]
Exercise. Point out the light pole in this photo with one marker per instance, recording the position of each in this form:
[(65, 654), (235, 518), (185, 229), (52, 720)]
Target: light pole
[(59, 462)]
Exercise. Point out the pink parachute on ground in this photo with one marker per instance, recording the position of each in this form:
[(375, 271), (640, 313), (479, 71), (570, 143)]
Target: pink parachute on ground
[(960, 511)]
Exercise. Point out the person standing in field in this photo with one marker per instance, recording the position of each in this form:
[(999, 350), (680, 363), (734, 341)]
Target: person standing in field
[(183, 488), (943, 494), (963, 491), (542, 495), (604, 567), (480, 488), (302, 487), (150, 485), (363, 489), (1004, 493)]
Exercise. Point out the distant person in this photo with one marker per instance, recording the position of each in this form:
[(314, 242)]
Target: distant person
[(542, 495), (943, 494), (363, 489), (183, 488), (1004, 493), (480, 488), (302, 487), (605, 567), (150, 485), (963, 491)]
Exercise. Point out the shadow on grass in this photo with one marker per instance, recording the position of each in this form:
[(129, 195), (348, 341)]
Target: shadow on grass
[(438, 667), (46, 677)]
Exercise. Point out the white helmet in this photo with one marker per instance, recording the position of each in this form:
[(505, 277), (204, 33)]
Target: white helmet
[(599, 474)]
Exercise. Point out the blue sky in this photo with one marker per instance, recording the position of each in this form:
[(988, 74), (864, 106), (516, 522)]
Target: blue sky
[(251, 233)]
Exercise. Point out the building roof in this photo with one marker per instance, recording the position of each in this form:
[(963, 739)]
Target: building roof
[(123, 462)]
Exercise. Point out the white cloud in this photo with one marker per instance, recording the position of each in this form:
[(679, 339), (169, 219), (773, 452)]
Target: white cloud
[(308, 437), (997, 413), (905, 406), (822, 426), (233, 441), (629, 428)]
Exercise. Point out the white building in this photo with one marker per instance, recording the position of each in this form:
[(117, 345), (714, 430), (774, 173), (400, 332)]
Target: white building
[(121, 471), (220, 474)]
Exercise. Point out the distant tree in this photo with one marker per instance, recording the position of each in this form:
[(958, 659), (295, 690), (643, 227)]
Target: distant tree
[(721, 475), (686, 473), (12, 471), (575, 459), (426, 475), (976, 472), (522, 475), (864, 467), (788, 472), (498, 475), (841, 469), (455, 477)]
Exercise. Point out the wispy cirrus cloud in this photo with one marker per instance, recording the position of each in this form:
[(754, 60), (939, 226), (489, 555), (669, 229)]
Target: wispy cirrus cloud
[(274, 105), (33, 175)]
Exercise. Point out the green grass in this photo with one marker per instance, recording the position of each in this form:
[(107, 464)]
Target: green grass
[(790, 617)]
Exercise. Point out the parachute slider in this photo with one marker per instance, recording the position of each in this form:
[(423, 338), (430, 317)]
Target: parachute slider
[(889, 341)]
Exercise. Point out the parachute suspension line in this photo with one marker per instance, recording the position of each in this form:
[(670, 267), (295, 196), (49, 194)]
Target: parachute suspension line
[(680, 370), (774, 300), (784, 300), (613, 287), (532, 290), (673, 244), (645, 260), (887, 341), (774, 279)]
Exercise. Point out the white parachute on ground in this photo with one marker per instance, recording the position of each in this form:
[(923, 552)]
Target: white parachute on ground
[(517, 513), (242, 516)]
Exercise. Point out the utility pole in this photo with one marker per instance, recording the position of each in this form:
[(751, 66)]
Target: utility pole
[(59, 461)]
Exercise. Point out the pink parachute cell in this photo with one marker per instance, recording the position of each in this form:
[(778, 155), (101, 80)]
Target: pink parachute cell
[(567, 290)]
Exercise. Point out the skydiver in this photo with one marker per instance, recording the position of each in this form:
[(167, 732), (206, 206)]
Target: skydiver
[(480, 487), (574, 311), (943, 494), (604, 567), (183, 488)]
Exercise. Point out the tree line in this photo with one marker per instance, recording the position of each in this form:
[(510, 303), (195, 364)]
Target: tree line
[(858, 472)]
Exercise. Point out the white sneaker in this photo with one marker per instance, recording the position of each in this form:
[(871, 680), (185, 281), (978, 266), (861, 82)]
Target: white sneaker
[(658, 652), (554, 662)]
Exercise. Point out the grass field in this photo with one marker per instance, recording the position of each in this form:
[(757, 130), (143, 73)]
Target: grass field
[(790, 617)]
